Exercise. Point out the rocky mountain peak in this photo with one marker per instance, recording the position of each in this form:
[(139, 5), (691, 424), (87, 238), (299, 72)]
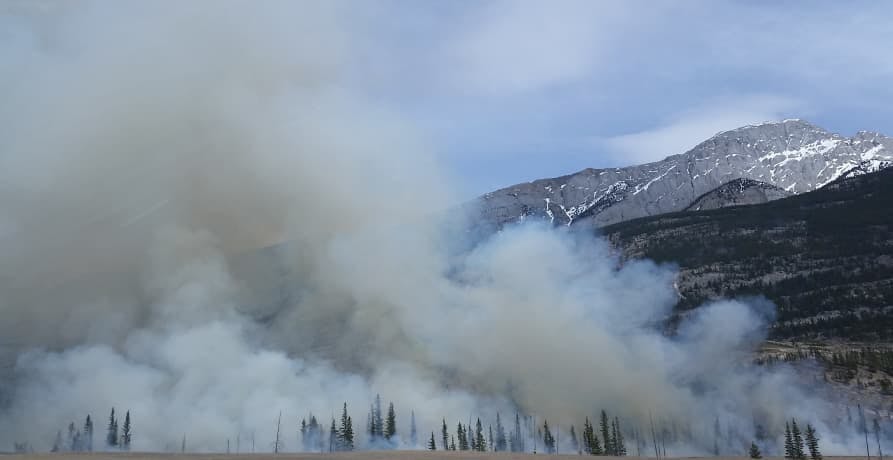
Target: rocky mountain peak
[(792, 155)]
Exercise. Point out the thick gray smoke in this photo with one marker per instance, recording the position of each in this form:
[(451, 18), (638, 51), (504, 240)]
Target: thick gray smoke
[(149, 152)]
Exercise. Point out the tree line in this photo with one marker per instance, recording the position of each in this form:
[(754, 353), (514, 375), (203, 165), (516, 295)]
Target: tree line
[(80, 439)]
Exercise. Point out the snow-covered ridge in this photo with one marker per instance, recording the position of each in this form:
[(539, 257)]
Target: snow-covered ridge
[(792, 155)]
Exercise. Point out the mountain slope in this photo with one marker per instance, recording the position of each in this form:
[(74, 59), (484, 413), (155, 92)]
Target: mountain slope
[(825, 257), (792, 155), (736, 193)]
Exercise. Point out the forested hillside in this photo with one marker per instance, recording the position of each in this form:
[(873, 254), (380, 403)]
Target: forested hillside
[(825, 257)]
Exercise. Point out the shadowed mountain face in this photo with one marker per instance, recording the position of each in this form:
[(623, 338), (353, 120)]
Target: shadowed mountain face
[(736, 193), (825, 257), (793, 156)]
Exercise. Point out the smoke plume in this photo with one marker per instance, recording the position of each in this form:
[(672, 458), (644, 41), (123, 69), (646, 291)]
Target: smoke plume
[(205, 221)]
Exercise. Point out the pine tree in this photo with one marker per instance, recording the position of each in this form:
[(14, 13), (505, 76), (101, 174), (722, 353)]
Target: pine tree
[(517, 439), (490, 439), (548, 440), (126, 434), (812, 441), (390, 424), (444, 435), (88, 434), (413, 435), (334, 443), (500, 445), (788, 442), (606, 434), (755, 451), (452, 443), (345, 434), (480, 444), (111, 438), (431, 444), (574, 444), (797, 440), (619, 442), (378, 422)]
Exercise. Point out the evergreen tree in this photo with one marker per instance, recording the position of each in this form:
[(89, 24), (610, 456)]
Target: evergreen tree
[(490, 439), (377, 421), (500, 445), (755, 451), (480, 443), (619, 442), (460, 436), (390, 429), (431, 444), (517, 438), (370, 423), (548, 439), (334, 443), (444, 435), (126, 434), (606, 433), (797, 440), (111, 438), (812, 441), (413, 435), (88, 434), (717, 433), (788, 442), (304, 433), (345, 434), (574, 444), (590, 439)]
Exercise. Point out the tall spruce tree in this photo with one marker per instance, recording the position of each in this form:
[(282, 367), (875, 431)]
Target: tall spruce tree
[(88, 434), (127, 432), (606, 433), (797, 439), (334, 442), (461, 435), (619, 442), (517, 438), (413, 434), (390, 429), (789, 452), (431, 444), (480, 444), (111, 438), (452, 443), (444, 435), (490, 439), (500, 445), (812, 442), (548, 439), (377, 420), (345, 434)]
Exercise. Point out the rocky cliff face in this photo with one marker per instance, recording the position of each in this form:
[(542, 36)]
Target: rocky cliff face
[(793, 155)]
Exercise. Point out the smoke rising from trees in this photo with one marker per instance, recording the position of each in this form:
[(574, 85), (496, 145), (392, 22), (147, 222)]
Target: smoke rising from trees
[(148, 153)]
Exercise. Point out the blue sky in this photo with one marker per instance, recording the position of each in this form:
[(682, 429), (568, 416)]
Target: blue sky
[(514, 90)]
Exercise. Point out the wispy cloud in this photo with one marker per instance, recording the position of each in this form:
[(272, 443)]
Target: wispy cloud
[(682, 131)]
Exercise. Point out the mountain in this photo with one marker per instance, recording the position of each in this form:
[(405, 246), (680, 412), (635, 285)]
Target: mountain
[(736, 193), (792, 155), (825, 258)]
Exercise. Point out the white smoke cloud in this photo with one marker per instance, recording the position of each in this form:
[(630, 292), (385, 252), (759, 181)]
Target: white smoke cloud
[(148, 153)]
